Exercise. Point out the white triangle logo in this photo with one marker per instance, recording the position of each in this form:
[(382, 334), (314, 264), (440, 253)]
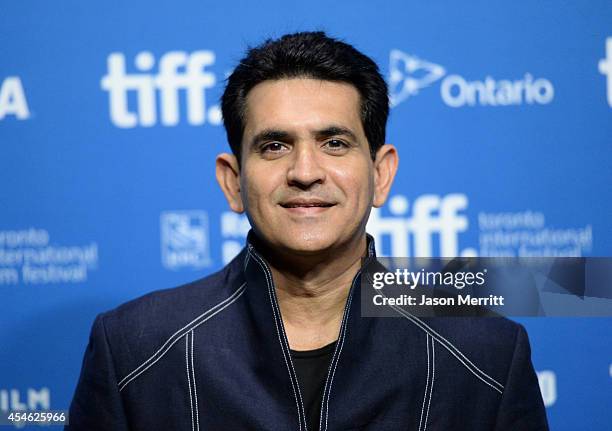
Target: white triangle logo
[(408, 74)]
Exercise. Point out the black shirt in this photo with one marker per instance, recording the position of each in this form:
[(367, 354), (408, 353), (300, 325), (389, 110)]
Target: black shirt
[(311, 367)]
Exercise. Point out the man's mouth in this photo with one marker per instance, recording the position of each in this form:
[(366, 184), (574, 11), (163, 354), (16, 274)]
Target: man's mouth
[(299, 206), (306, 204)]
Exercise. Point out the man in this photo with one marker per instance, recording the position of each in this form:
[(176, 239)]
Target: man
[(275, 340)]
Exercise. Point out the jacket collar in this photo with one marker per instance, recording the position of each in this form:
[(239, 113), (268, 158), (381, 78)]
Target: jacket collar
[(272, 344)]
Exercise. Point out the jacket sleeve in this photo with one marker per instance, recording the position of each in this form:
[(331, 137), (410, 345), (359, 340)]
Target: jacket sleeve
[(97, 404), (521, 406)]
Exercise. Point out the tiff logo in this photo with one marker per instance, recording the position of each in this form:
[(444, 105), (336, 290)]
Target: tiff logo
[(178, 71), (605, 67), (185, 239), (432, 216), (234, 230), (12, 99)]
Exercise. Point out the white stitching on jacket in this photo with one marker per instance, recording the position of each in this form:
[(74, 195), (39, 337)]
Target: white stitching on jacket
[(195, 388), (337, 357), (452, 349), (298, 402), (426, 382), (178, 334), (433, 378), (246, 261), (188, 377)]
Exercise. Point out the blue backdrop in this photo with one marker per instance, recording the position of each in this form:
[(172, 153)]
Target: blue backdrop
[(109, 125)]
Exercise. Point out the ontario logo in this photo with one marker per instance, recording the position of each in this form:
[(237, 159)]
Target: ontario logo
[(409, 74)]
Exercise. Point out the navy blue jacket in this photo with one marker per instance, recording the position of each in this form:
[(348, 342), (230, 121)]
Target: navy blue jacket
[(213, 355)]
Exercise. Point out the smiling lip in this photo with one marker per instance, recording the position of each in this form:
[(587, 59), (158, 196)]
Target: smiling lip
[(300, 206)]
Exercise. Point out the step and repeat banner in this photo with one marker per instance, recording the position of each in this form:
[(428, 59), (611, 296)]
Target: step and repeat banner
[(110, 124)]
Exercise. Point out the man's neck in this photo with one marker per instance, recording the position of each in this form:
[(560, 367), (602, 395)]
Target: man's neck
[(313, 294)]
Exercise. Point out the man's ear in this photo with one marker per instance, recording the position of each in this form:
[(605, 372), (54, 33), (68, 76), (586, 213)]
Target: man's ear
[(385, 167), (228, 176)]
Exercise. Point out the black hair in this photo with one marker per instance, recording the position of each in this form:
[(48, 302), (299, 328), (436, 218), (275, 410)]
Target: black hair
[(309, 55)]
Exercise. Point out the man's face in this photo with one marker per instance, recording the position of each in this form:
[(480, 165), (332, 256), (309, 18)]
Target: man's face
[(307, 179)]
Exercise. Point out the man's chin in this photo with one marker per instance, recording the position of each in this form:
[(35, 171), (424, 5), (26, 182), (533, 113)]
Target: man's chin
[(307, 245), (305, 241)]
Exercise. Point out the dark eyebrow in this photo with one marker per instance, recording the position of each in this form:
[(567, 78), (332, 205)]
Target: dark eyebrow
[(334, 131)]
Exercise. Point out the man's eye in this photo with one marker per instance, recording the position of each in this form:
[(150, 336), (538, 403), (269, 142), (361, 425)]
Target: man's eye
[(273, 147), (336, 144)]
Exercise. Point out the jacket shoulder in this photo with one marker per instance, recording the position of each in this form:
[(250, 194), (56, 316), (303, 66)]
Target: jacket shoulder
[(478, 335), (486, 346), (136, 329)]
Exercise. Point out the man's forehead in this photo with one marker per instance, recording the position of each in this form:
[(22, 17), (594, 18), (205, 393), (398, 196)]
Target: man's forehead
[(303, 105), (304, 82)]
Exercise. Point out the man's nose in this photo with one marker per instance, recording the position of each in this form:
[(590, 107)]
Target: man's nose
[(306, 168)]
